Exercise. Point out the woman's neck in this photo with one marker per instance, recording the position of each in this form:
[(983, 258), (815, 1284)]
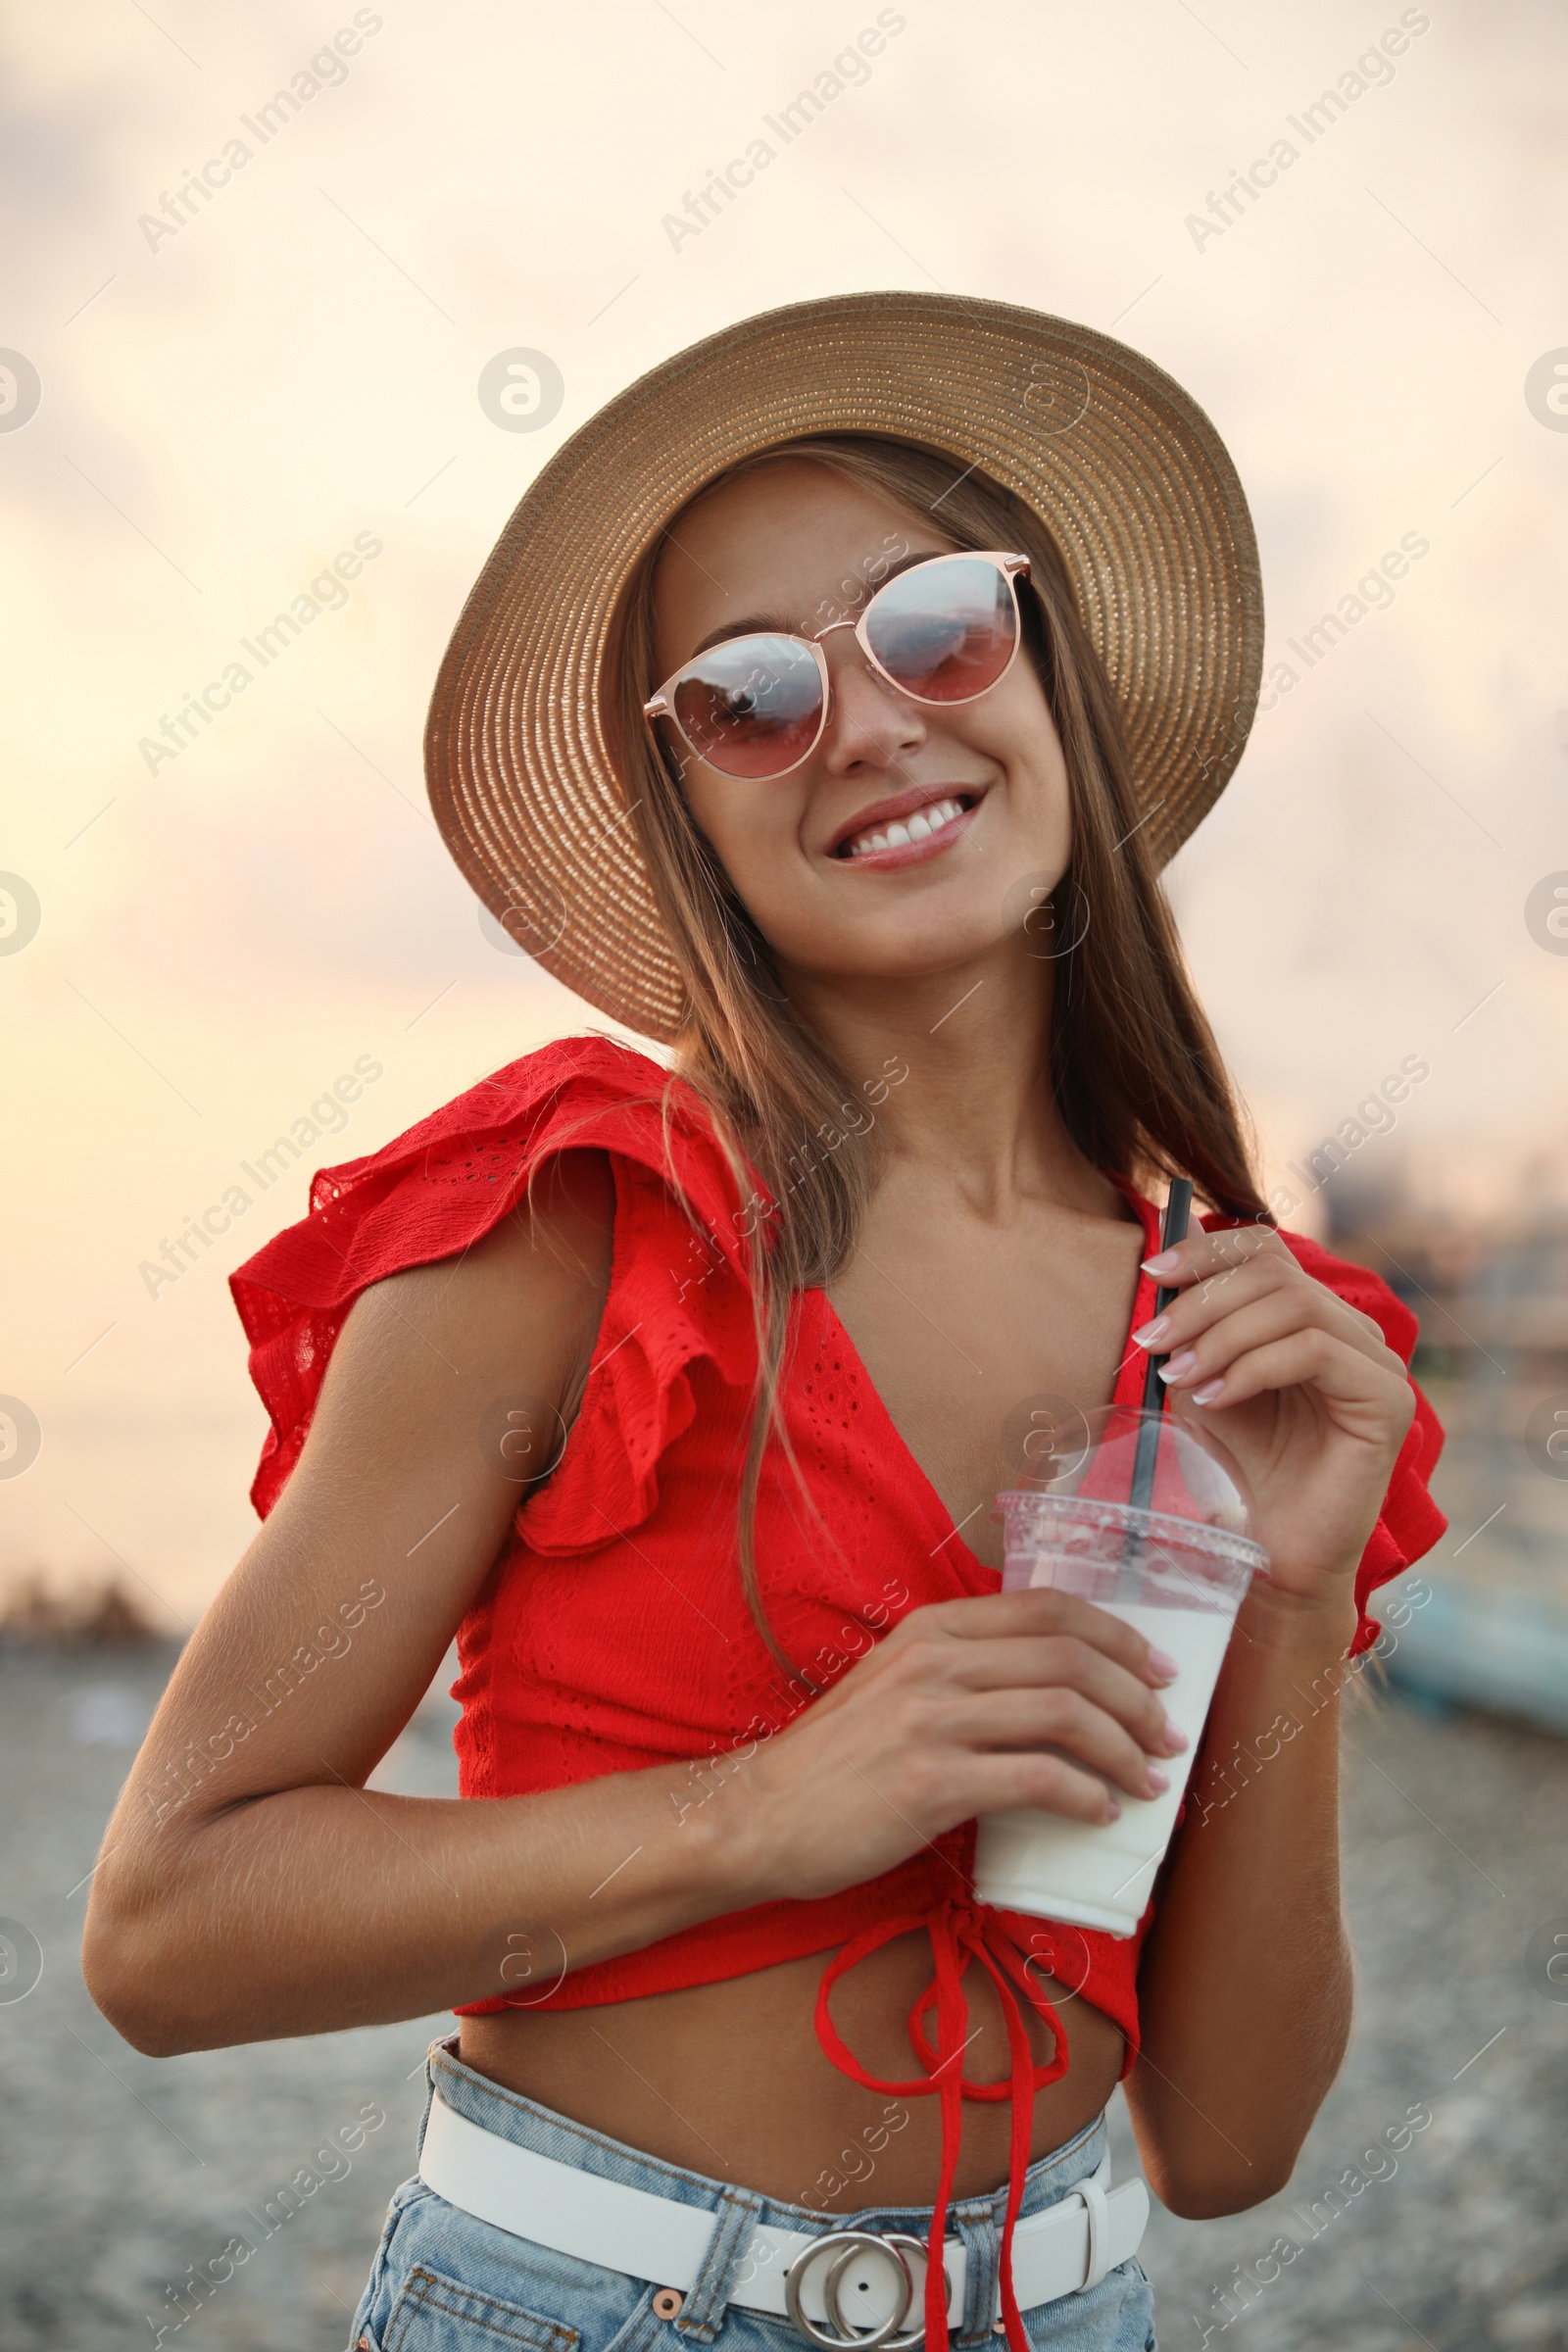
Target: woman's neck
[(977, 1115)]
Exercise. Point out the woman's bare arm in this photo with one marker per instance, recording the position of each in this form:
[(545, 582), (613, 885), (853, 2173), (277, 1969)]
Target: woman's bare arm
[(250, 1887), (1244, 1990)]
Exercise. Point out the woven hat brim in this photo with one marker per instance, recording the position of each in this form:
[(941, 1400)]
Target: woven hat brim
[(1122, 467)]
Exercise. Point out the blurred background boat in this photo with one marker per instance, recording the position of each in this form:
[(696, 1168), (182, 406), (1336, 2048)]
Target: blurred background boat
[(1492, 1303)]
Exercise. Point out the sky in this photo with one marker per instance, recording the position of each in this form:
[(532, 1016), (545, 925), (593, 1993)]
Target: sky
[(208, 399)]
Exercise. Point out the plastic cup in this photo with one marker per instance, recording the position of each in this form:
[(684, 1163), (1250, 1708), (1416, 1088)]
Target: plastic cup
[(1177, 1572)]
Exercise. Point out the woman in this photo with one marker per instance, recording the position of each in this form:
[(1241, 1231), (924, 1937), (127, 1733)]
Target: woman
[(823, 711)]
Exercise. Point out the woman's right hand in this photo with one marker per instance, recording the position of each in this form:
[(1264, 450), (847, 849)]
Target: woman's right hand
[(972, 1707)]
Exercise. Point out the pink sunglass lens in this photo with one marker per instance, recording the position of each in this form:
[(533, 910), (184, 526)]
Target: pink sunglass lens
[(945, 631), (751, 707)]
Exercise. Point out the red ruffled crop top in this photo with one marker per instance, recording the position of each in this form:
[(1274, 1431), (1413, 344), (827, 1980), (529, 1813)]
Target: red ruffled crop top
[(612, 1633)]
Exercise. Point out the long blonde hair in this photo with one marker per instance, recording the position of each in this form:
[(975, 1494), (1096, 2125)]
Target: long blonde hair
[(1134, 1066)]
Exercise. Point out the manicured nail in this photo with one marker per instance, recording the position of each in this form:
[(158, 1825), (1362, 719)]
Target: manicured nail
[(1175, 1740), (1167, 1262), (1157, 1779), (1176, 1367), (1164, 1665), (1113, 1810), (1208, 1393), (1153, 1333)]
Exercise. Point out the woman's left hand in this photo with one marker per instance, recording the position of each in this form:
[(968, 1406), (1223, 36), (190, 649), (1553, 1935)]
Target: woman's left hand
[(1299, 1387)]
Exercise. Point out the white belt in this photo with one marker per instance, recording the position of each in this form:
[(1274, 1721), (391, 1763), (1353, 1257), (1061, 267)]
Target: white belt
[(844, 2289)]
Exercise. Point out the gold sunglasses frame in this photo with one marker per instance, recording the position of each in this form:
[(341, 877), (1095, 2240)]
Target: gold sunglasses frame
[(1011, 565)]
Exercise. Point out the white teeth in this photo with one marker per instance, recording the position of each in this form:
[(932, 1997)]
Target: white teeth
[(924, 822)]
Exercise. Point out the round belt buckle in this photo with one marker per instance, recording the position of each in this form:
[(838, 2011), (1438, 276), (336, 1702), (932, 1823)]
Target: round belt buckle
[(843, 2246)]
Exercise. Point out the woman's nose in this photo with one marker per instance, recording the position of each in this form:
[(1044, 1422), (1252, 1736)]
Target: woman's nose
[(868, 723)]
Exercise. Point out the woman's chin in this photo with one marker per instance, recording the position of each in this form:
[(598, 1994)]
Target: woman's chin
[(929, 957)]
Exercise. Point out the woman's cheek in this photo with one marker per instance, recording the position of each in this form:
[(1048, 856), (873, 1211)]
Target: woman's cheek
[(755, 838)]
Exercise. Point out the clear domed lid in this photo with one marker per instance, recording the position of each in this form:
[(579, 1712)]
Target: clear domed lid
[(1151, 1461), (1127, 1507)]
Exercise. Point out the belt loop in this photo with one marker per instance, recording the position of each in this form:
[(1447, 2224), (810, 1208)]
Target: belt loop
[(1099, 2256), (976, 2225), (702, 2312), (444, 2046)]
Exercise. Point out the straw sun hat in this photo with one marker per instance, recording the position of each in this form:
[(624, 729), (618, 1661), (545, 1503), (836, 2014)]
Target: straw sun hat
[(1122, 467)]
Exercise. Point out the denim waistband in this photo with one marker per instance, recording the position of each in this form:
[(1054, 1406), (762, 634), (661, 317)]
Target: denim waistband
[(976, 2221)]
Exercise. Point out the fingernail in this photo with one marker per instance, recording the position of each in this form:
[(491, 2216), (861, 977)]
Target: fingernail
[(1158, 1780), (1167, 1262), (1164, 1665), (1153, 1333), (1113, 1810), (1207, 1394), (1175, 1740), (1176, 1366)]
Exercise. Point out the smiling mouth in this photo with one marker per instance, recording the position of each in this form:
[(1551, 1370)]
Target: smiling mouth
[(905, 832)]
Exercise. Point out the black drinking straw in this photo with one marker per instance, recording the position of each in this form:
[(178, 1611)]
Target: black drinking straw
[(1178, 1208)]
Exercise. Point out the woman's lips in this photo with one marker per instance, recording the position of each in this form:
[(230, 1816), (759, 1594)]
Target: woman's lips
[(898, 855)]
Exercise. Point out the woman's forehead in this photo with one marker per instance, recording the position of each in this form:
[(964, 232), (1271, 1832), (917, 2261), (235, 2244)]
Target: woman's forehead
[(772, 544)]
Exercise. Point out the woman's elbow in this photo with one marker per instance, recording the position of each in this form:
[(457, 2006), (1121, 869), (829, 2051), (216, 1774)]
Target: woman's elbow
[(1201, 2172), (1209, 2192), (127, 1964), (144, 2024)]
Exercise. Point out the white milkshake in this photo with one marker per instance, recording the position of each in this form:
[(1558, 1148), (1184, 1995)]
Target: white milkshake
[(1099, 1875), (1177, 1572)]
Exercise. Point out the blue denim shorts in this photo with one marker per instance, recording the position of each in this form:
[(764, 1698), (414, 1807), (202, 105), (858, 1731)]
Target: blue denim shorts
[(444, 2281)]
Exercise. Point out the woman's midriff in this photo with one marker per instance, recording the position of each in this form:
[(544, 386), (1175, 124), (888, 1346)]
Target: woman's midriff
[(730, 2079)]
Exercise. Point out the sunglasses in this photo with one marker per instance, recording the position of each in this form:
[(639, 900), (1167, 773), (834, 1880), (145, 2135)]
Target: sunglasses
[(945, 631)]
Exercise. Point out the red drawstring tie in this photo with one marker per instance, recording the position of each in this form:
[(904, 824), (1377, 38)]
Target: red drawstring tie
[(960, 1932)]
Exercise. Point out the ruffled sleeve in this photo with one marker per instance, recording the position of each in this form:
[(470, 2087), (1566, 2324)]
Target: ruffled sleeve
[(441, 1187), (677, 1295), (1410, 1522)]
